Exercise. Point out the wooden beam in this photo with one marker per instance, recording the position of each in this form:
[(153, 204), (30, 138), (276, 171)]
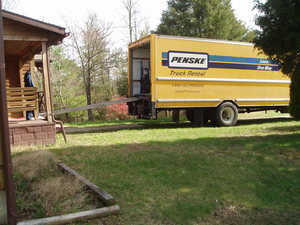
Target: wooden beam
[(105, 198), (21, 77), (32, 68), (16, 37), (70, 218), (21, 73), (46, 82), (3, 207), (33, 22), (7, 193), (94, 106), (28, 52)]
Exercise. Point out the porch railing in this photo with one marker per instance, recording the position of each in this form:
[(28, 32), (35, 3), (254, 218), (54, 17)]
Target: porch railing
[(22, 100)]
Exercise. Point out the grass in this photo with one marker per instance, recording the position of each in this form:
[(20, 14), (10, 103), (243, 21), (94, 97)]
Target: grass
[(42, 190), (167, 120), (121, 122), (179, 174)]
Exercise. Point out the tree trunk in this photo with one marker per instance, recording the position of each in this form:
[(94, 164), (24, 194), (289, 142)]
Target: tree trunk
[(89, 101), (294, 94), (68, 117), (130, 24)]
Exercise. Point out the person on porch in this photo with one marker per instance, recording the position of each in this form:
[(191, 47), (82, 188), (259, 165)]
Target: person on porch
[(29, 83)]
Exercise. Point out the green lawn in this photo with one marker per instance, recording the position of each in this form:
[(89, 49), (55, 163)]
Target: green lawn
[(167, 120), (179, 174)]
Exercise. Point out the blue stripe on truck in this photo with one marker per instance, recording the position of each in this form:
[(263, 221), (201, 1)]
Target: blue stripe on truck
[(232, 62), (242, 66), (234, 59)]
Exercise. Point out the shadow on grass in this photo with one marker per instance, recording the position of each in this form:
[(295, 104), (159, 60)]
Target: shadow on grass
[(190, 180), (263, 120), (286, 129), (171, 125)]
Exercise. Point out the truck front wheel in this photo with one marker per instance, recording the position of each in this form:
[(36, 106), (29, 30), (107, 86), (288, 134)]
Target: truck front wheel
[(225, 115)]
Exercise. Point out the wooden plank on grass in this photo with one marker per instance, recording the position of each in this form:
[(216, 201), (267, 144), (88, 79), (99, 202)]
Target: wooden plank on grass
[(69, 218), (106, 198)]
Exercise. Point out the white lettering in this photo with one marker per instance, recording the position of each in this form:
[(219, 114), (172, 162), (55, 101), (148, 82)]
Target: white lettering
[(264, 61), (268, 68)]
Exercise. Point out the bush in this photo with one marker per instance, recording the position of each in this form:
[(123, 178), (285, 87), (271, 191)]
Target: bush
[(116, 112)]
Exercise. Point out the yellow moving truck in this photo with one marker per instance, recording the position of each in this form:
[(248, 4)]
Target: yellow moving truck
[(210, 79)]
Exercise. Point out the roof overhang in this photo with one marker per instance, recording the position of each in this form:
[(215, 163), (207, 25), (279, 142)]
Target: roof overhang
[(34, 22)]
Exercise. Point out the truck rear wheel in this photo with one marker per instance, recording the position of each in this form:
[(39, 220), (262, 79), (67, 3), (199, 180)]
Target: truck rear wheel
[(225, 115), (190, 116)]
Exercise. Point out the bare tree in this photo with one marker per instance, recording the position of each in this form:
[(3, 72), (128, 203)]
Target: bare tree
[(90, 44), (10, 4), (131, 7)]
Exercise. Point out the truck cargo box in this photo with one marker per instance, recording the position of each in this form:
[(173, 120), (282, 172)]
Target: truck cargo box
[(214, 77)]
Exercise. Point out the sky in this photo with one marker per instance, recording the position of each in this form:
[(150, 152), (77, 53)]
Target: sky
[(112, 11)]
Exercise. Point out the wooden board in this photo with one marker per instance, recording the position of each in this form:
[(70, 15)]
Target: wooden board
[(22, 99), (71, 218), (106, 198), (94, 106)]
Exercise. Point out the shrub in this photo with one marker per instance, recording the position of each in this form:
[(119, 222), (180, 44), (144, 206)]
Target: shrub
[(117, 111)]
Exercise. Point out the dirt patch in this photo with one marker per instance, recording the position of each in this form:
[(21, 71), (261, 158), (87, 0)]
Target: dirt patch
[(236, 215), (42, 190), (71, 130)]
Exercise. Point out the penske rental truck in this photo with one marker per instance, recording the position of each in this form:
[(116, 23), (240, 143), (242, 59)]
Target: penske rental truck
[(210, 79)]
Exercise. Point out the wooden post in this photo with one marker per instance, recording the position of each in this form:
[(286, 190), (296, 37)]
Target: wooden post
[(3, 207), (7, 194), (32, 71), (21, 76), (46, 82), (175, 115), (32, 68)]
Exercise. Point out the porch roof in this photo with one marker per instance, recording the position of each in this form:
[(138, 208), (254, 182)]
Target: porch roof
[(19, 27)]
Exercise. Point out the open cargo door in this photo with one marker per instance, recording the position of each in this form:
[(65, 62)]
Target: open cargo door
[(140, 77)]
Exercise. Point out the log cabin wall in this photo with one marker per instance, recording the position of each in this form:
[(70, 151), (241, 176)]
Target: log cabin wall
[(12, 71), (24, 67), (12, 78)]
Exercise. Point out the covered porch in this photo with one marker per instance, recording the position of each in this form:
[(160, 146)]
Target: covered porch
[(24, 38)]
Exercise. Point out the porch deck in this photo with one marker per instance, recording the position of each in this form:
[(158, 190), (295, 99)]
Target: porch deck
[(31, 132), (23, 122)]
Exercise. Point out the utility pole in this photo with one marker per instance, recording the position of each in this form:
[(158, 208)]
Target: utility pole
[(7, 194)]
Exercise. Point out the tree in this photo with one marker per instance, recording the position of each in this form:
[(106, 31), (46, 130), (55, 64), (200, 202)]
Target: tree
[(279, 38), (64, 73), (131, 9), (91, 47), (204, 19), (121, 70)]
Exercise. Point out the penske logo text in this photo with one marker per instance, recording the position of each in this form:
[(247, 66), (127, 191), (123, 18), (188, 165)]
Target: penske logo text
[(187, 60)]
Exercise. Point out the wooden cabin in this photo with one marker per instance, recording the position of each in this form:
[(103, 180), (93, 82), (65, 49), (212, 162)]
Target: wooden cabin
[(24, 38)]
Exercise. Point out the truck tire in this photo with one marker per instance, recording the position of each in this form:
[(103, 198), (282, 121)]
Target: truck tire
[(190, 116), (225, 115)]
